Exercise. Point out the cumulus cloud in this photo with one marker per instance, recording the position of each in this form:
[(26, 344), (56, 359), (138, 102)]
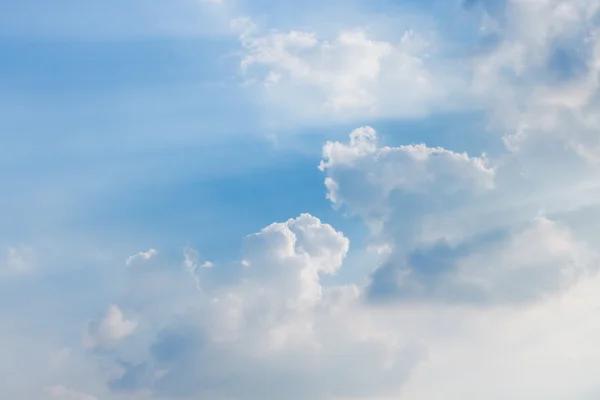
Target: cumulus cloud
[(278, 332), (383, 184), (468, 298), (410, 168), (350, 74), (108, 329), (142, 255), (489, 267), (427, 206)]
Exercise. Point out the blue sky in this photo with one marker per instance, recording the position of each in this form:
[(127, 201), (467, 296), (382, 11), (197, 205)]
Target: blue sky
[(325, 200)]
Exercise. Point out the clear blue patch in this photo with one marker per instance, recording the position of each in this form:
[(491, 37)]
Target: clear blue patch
[(565, 63)]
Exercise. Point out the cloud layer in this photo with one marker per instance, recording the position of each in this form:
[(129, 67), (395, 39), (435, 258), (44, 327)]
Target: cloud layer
[(485, 280)]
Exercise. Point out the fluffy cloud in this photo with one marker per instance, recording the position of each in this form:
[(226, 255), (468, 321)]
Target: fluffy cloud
[(470, 294), (394, 189), (108, 329), (277, 331), (414, 197), (486, 296), (382, 171), (499, 287), (351, 74)]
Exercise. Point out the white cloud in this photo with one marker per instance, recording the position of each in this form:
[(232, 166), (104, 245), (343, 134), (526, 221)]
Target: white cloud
[(19, 260), (191, 260), (538, 260), (60, 392), (348, 75), (142, 255), (278, 331), (368, 179), (541, 80), (191, 263), (485, 301), (449, 226), (297, 252), (108, 329), (495, 301), (544, 350), (410, 168)]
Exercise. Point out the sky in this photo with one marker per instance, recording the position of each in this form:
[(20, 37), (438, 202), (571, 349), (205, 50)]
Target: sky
[(317, 200)]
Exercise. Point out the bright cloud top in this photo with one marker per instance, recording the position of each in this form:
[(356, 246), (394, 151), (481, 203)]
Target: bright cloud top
[(278, 323), (348, 75), (384, 170)]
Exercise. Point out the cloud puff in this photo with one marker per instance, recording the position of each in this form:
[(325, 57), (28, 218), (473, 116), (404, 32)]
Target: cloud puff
[(351, 74), (108, 329), (383, 184), (410, 168), (297, 251), (278, 332), (142, 255)]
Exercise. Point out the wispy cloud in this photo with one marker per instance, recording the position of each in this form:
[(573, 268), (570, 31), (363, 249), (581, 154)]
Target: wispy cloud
[(142, 256)]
